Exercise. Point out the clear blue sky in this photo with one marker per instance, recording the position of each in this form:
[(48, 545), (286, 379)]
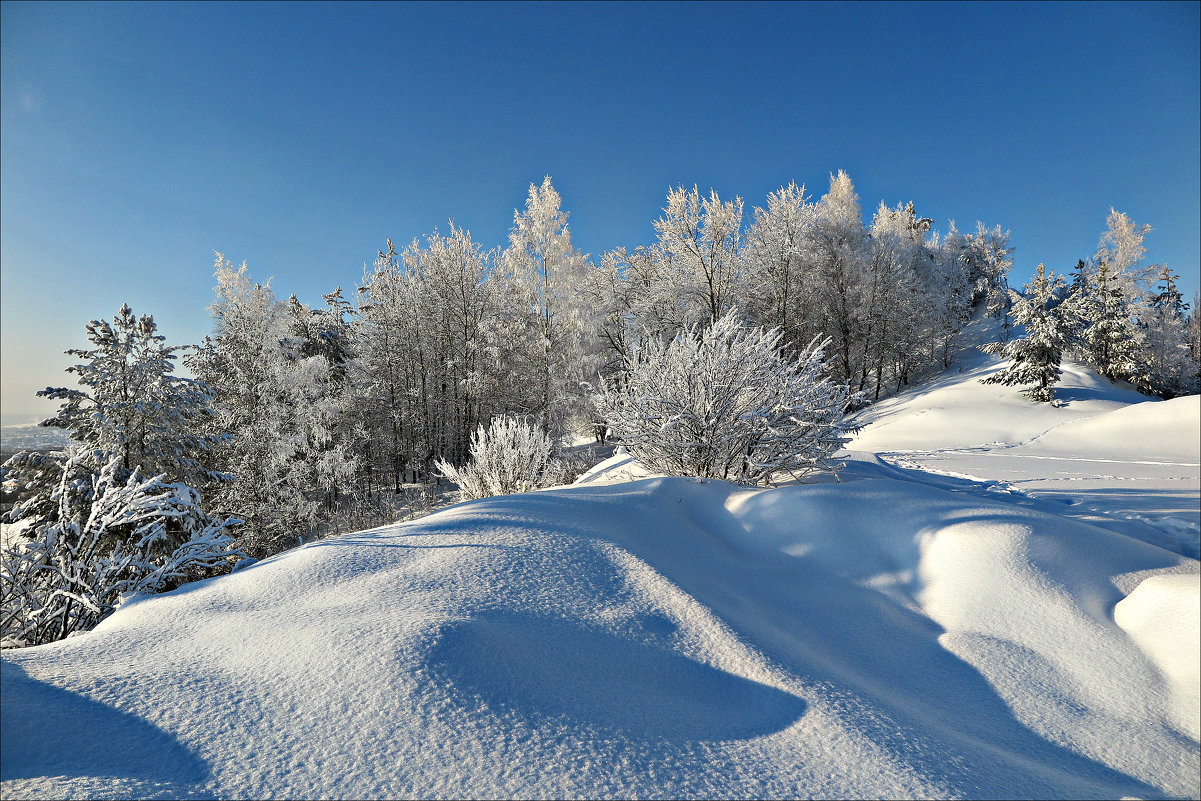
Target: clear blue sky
[(137, 139)]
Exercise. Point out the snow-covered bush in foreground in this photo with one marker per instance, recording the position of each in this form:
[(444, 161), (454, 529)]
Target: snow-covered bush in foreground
[(728, 402), (107, 537), (510, 455)]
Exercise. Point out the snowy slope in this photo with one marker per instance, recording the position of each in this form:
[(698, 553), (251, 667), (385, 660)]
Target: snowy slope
[(900, 633), (1107, 455)]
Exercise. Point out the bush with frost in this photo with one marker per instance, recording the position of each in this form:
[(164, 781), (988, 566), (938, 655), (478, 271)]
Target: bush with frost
[(510, 455), (729, 402)]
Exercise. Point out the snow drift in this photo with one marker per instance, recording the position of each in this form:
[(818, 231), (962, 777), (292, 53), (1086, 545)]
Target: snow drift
[(896, 634)]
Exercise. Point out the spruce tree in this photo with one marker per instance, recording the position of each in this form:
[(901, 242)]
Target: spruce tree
[(1034, 359), (1171, 368), (1111, 340)]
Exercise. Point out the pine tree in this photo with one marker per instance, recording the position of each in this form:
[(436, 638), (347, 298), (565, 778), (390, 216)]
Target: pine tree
[(1171, 368), (1111, 340), (107, 533), (130, 404), (1034, 359)]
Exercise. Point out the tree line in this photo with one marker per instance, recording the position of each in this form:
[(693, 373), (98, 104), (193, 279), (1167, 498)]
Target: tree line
[(300, 420)]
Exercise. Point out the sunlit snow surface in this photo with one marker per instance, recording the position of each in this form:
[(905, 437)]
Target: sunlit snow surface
[(902, 633)]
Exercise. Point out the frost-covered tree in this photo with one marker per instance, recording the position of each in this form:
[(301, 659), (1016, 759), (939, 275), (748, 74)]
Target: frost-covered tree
[(987, 257), (781, 285), (1111, 340), (109, 533), (634, 301), (700, 242), (548, 272), (1034, 358), (945, 300), (1194, 338), (897, 294), (726, 402), (1121, 249), (1170, 364), (838, 250), (510, 455), (318, 355), (131, 404), (261, 391), (439, 334)]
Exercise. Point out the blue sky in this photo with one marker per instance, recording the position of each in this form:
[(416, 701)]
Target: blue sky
[(139, 138)]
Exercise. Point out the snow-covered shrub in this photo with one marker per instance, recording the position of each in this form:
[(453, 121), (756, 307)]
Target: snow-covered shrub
[(510, 455), (565, 467), (727, 402), (109, 536)]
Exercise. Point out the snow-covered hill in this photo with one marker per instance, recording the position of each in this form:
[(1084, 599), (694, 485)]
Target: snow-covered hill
[(1107, 454), (900, 633)]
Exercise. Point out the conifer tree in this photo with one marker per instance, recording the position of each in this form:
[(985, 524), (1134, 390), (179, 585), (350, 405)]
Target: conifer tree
[(1111, 341), (1170, 364), (131, 405), (1034, 359)]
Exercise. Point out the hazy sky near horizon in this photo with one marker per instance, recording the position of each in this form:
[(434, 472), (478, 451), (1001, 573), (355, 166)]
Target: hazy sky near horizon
[(136, 139)]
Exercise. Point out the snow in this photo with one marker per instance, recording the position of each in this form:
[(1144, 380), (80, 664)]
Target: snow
[(897, 633), (1107, 454)]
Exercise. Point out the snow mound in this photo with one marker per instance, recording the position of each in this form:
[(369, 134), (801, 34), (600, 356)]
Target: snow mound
[(1163, 615), (662, 637), (1164, 431)]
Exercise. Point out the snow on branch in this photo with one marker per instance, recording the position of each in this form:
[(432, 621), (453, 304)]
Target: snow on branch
[(728, 402)]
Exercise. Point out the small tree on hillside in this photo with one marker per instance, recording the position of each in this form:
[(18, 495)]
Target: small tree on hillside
[(726, 402), (1109, 336), (1170, 365), (1035, 358)]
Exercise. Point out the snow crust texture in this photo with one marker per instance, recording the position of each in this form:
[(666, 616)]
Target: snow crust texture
[(898, 634)]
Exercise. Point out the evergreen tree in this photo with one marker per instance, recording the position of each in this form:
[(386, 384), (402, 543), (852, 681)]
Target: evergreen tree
[(1034, 359), (1111, 340), (131, 405), (108, 532), (1171, 368)]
